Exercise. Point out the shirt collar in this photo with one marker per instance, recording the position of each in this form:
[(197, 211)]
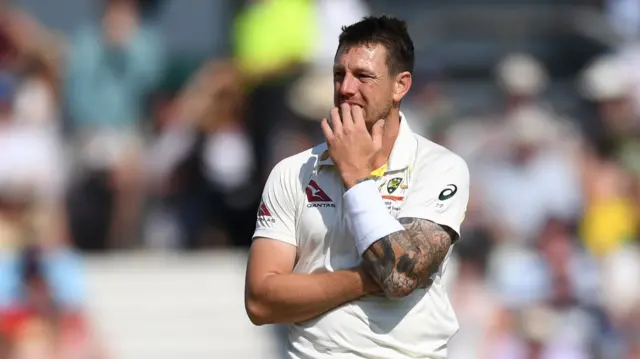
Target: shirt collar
[(402, 153)]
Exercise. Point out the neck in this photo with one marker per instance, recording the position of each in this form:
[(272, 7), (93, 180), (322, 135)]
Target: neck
[(391, 130)]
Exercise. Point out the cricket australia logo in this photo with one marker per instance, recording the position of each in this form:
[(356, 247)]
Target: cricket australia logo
[(393, 184)]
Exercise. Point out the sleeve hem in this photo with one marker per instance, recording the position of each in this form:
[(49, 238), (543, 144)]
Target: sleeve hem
[(275, 235), (440, 219)]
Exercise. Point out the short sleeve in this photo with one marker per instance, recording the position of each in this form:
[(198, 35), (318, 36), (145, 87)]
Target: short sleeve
[(277, 210), (440, 196)]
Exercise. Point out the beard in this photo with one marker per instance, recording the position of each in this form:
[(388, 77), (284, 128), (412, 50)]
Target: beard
[(371, 116)]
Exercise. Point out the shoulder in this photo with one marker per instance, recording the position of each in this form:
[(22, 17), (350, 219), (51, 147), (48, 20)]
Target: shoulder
[(299, 165), (301, 160), (435, 158)]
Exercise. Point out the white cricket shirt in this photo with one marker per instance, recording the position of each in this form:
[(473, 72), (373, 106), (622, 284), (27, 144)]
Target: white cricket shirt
[(302, 205)]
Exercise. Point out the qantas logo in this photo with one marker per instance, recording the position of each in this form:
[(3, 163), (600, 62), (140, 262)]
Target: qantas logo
[(317, 197)]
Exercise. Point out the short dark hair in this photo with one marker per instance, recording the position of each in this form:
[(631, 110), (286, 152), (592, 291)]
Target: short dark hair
[(387, 31)]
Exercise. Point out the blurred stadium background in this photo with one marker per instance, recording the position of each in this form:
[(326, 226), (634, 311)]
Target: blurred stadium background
[(135, 137)]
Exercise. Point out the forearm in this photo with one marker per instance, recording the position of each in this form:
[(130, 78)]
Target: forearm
[(403, 261), (397, 264), (400, 254), (291, 298)]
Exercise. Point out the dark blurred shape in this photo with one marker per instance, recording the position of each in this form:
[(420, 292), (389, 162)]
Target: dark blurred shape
[(7, 95), (31, 270), (90, 204), (151, 8), (475, 247), (148, 8)]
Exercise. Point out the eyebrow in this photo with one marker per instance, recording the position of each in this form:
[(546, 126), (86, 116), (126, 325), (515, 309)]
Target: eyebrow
[(357, 70)]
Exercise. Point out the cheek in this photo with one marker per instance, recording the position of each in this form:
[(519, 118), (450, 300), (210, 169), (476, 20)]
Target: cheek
[(372, 94), (378, 97)]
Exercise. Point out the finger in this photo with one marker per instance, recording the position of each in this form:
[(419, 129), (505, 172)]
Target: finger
[(326, 130), (358, 117), (377, 132), (336, 122), (345, 111)]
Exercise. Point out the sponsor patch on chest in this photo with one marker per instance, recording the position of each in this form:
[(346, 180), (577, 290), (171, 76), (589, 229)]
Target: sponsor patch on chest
[(317, 197)]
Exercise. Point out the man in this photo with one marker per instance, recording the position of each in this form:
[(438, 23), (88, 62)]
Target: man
[(353, 235)]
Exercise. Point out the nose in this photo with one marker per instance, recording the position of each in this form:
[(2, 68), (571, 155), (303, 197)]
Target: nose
[(349, 86)]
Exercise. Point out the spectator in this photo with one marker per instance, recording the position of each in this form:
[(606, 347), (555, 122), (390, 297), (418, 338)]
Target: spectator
[(201, 163), (113, 68), (610, 159)]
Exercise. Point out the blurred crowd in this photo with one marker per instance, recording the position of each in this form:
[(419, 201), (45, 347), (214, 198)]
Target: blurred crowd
[(105, 147)]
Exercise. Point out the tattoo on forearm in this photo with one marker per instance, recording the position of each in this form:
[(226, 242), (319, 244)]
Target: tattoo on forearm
[(405, 260)]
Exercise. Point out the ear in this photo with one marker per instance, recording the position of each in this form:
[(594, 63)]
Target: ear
[(402, 85)]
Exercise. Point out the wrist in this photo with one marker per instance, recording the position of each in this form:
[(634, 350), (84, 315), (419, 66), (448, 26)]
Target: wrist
[(367, 215), (369, 285), (352, 182)]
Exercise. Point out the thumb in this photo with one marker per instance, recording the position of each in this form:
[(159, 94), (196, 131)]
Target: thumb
[(376, 133)]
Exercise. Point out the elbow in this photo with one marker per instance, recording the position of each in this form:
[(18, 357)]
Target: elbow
[(257, 311), (397, 291), (400, 286)]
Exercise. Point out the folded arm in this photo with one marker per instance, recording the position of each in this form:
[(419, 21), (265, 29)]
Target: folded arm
[(405, 260), (273, 294), (403, 253)]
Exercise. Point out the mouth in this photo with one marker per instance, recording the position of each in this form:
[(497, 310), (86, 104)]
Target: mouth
[(353, 103)]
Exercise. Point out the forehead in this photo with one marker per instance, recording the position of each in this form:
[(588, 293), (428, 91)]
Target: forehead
[(364, 56)]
